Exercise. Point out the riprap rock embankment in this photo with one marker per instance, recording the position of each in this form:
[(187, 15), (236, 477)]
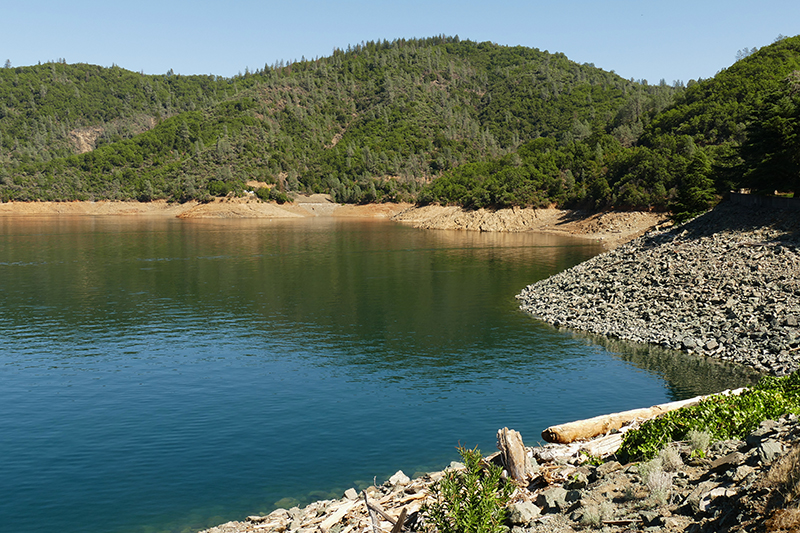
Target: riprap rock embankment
[(726, 284)]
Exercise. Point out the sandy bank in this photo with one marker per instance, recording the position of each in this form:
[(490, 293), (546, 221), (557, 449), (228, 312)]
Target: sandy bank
[(248, 207), (612, 228)]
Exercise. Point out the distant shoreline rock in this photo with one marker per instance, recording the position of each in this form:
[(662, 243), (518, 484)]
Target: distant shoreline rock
[(725, 285)]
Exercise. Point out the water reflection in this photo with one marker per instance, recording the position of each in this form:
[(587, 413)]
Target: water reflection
[(685, 375)]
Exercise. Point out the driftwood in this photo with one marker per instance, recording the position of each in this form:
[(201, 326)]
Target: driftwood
[(334, 518), (398, 527), (515, 457), (373, 518), (599, 425), (603, 446)]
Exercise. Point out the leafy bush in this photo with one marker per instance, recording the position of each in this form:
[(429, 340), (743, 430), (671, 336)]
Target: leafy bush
[(471, 500), (725, 417)]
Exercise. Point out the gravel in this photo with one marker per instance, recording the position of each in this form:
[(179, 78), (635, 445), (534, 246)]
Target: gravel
[(723, 285)]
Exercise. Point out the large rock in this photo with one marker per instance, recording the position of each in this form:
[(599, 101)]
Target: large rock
[(769, 450), (553, 499), (522, 513)]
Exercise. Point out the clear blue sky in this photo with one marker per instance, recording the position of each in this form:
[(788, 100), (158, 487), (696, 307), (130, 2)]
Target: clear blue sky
[(644, 39)]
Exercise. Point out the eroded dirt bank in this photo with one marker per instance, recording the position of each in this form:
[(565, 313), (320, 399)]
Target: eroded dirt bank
[(248, 207), (611, 228)]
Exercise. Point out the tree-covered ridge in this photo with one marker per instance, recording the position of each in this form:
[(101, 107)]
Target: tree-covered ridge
[(373, 122), (738, 129), (434, 120), (718, 109), (43, 106)]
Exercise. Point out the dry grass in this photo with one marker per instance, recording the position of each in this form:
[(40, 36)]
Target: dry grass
[(670, 459), (658, 481), (783, 520), (786, 473), (699, 441)]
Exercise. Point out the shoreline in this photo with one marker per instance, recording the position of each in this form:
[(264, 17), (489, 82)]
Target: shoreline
[(611, 228), (724, 285), (724, 488)]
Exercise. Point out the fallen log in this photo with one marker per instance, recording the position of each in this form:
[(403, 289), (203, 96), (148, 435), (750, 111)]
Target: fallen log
[(599, 425), (603, 446)]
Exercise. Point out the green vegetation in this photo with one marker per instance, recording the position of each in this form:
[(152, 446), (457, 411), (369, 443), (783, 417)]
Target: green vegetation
[(432, 120), (471, 500), (725, 417)]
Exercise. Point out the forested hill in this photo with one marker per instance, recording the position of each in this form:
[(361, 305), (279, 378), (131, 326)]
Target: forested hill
[(433, 120), (376, 121)]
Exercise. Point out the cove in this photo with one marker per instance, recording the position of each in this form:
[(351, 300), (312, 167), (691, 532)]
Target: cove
[(169, 375)]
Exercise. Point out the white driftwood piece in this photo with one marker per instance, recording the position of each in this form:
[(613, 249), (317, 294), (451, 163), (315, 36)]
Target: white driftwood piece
[(334, 519), (515, 457), (600, 425)]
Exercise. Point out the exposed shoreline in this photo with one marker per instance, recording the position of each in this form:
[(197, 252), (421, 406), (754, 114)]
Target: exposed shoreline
[(611, 228), (725, 285)]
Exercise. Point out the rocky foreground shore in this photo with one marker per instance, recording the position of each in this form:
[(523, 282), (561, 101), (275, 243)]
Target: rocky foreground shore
[(694, 486), (726, 285)]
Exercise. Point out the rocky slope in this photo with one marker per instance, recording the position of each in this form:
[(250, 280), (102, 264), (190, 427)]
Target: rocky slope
[(726, 285)]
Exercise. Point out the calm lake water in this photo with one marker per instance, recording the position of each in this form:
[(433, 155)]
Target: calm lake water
[(169, 375)]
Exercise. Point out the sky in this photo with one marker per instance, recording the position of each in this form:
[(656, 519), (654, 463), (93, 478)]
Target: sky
[(678, 40)]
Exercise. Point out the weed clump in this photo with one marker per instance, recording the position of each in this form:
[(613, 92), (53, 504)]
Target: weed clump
[(471, 500)]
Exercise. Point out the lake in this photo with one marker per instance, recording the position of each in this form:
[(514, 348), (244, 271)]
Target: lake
[(168, 375)]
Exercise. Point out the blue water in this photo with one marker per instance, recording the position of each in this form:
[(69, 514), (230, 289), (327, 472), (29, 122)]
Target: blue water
[(169, 375)]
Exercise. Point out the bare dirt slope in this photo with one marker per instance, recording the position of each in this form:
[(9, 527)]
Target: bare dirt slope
[(612, 227)]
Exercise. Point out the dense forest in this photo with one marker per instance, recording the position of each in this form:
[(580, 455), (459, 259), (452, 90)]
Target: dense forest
[(438, 120)]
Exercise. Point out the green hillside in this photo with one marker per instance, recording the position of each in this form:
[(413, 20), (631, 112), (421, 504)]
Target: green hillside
[(434, 120), (374, 122)]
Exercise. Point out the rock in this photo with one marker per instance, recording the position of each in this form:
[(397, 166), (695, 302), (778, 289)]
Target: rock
[(522, 513), (607, 468), (552, 499), (399, 478), (577, 481), (692, 500), (351, 494), (675, 523), (650, 518), (769, 450), (732, 460), (708, 499), (741, 473)]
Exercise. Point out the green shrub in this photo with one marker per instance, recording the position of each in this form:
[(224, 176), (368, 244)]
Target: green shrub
[(219, 188), (725, 417), (471, 500)]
